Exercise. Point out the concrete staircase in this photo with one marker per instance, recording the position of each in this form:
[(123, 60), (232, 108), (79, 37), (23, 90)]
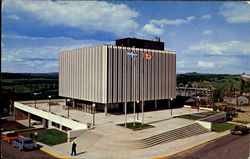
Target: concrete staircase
[(168, 136), (180, 133)]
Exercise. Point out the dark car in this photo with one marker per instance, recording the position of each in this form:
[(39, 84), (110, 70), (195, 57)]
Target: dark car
[(239, 130), (24, 144)]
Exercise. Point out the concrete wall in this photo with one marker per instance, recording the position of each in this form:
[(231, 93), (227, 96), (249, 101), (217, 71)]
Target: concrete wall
[(216, 118), (205, 124), (101, 73), (51, 117), (20, 115), (75, 133), (83, 74)]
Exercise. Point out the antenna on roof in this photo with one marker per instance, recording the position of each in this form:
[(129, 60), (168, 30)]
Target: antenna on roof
[(157, 39)]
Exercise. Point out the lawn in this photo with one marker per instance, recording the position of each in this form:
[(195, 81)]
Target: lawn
[(52, 137), (138, 126), (191, 117), (241, 121), (219, 127), (197, 117)]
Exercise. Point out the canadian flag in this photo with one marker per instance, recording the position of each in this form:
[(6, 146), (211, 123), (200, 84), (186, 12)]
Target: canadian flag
[(147, 56)]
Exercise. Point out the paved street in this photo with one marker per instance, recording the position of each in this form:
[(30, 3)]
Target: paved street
[(9, 152), (228, 147)]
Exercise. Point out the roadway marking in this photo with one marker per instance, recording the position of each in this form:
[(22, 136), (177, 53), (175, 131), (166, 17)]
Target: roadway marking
[(55, 155), (190, 148)]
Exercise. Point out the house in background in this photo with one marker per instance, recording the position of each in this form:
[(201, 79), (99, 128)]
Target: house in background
[(232, 100)]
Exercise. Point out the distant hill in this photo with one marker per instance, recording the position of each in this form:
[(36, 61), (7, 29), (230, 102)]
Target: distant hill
[(6, 75)]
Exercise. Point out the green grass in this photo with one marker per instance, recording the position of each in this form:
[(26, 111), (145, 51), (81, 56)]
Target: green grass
[(138, 126), (191, 117), (240, 121), (219, 127), (52, 137), (196, 117), (215, 112)]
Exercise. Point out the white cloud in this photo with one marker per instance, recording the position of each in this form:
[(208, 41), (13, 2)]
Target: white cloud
[(172, 22), (205, 64), (235, 12), (156, 27), (189, 19), (207, 32), (152, 29), (13, 16), (91, 15), (223, 48), (207, 16), (42, 56)]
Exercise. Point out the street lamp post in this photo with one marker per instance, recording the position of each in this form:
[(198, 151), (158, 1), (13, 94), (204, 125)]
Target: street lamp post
[(198, 103), (49, 102), (93, 114), (35, 98), (171, 106), (137, 111), (68, 106)]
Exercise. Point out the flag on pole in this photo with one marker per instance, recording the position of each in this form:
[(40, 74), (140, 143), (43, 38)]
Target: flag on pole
[(132, 54), (147, 56)]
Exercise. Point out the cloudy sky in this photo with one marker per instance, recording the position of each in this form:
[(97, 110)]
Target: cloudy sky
[(209, 37)]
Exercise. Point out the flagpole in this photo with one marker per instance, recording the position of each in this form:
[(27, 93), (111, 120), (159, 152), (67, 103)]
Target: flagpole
[(143, 90), (126, 91), (134, 91)]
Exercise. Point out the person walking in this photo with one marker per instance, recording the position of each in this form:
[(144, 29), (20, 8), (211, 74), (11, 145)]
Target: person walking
[(73, 151), (36, 135)]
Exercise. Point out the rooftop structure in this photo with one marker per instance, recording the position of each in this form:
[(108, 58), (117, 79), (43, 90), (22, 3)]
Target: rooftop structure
[(141, 43)]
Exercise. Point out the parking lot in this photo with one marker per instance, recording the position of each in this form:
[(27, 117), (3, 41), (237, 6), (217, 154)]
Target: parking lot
[(8, 151)]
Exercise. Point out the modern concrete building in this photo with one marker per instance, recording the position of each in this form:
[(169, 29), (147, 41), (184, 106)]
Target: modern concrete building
[(105, 75)]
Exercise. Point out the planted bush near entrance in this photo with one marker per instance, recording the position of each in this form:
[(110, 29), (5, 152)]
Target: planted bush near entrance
[(138, 126), (52, 137), (192, 117)]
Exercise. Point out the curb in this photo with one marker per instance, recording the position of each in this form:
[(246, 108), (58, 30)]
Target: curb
[(55, 155), (190, 147)]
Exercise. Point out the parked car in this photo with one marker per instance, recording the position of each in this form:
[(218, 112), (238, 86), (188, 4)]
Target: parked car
[(24, 143), (9, 136), (239, 130)]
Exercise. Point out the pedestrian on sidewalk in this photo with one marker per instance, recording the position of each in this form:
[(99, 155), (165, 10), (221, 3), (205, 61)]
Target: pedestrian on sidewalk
[(73, 151), (36, 135)]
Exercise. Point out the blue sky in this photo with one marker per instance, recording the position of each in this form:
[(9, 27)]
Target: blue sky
[(208, 37)]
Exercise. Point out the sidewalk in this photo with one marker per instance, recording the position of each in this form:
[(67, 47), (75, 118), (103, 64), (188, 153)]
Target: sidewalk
[(106, 140), (97, 146), (96, 150)]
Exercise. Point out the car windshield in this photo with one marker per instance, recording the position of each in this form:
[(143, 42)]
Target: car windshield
[(12, 134), (28, 142)]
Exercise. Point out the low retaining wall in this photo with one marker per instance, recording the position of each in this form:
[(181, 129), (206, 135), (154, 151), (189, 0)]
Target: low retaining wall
[(205, 108), (75, 133), (215, 118), (74, 125), (205, 124)]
